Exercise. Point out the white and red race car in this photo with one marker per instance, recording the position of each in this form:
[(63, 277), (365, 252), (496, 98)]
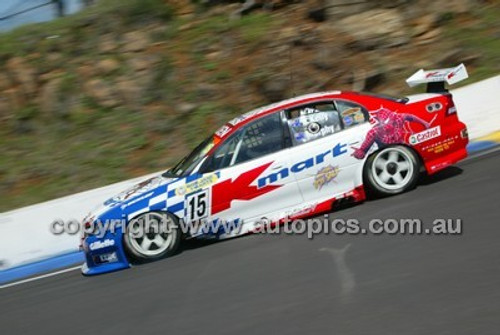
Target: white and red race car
[(291, 159)]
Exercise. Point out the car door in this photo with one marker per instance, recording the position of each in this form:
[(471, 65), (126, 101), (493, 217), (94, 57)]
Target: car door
[(322, 135), (253, 167)]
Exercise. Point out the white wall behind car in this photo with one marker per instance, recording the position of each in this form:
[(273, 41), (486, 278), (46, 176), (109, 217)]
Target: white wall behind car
[(478, 106)]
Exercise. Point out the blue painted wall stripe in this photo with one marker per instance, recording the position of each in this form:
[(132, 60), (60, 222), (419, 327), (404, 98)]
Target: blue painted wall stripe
[(480, 145), (46, 265)]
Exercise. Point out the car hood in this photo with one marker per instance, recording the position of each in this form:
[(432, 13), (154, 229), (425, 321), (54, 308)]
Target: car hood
[(138, 190), (117, 205)]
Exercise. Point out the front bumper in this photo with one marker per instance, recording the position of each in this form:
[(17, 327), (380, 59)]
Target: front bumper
[(103, 254)]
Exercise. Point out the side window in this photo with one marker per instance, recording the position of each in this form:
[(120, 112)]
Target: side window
[(308, 123), (223, 156), (351, 113), (259, 138)]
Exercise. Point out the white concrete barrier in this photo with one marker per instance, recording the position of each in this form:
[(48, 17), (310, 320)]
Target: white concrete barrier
[(25, 236), (478, 106)]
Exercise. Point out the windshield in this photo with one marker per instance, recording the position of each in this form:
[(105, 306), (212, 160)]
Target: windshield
[(188, 163)]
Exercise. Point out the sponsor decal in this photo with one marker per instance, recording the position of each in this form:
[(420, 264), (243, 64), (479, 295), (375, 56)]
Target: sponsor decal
[(135, 190), (112, 202), (455, 72), (313, 127), (327, 130), (440, 166), (308, 111), (197, 184), (433, 74), (325, 175), (348, 120), (108, 258), (223, 131), (306, 164), (425, 135), (239, 188), (301, 211), (132, 202), (353, 111), (389, 127), (101, 244), (306, 129), (237, 120), (440, 146), (197, 205), (300, 137), (359, 117), (317, 117)]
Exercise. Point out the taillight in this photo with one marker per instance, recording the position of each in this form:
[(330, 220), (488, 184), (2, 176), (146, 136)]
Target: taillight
[(451, 110)]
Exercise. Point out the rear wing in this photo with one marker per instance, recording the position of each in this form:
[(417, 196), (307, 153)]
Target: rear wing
[(435, 79)]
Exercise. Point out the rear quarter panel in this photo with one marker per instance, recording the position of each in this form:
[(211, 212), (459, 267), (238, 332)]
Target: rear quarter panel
[(440, 143), (444, 143)]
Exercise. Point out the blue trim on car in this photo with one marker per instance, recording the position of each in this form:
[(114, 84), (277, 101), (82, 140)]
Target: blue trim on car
[(177, 207)]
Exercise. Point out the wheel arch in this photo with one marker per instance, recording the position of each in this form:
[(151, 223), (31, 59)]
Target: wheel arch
[(133, 258), (416, 152), (362, 175)]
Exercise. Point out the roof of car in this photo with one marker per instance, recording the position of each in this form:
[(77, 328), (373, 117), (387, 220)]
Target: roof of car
[(238, 121), (280, 105)]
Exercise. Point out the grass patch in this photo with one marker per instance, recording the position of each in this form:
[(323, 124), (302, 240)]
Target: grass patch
[(481, 37)]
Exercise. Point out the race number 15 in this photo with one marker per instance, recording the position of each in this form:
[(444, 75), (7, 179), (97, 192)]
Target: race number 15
[(197, 205)]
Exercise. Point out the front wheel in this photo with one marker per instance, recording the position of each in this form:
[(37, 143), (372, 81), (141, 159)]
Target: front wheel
[(392, 170), (152, 236)]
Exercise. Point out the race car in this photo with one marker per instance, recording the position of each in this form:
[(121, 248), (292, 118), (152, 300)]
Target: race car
[(292, 159)]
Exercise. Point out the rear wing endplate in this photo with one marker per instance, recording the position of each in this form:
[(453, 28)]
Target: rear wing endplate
[(435, 79)]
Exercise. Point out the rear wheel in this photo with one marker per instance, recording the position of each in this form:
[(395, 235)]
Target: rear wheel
[(152, 236), (392, 170)]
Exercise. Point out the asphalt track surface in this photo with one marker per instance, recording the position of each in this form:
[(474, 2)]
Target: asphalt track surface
[(287, 284)]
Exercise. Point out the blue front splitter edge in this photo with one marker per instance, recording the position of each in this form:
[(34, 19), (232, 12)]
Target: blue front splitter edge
[(46, 265), (74, 258)]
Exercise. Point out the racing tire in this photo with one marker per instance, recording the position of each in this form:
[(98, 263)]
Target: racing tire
[(151, 236), (392, 170)]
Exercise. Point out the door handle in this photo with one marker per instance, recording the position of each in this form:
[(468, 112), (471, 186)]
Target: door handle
[(353, 143), (277, 167)]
